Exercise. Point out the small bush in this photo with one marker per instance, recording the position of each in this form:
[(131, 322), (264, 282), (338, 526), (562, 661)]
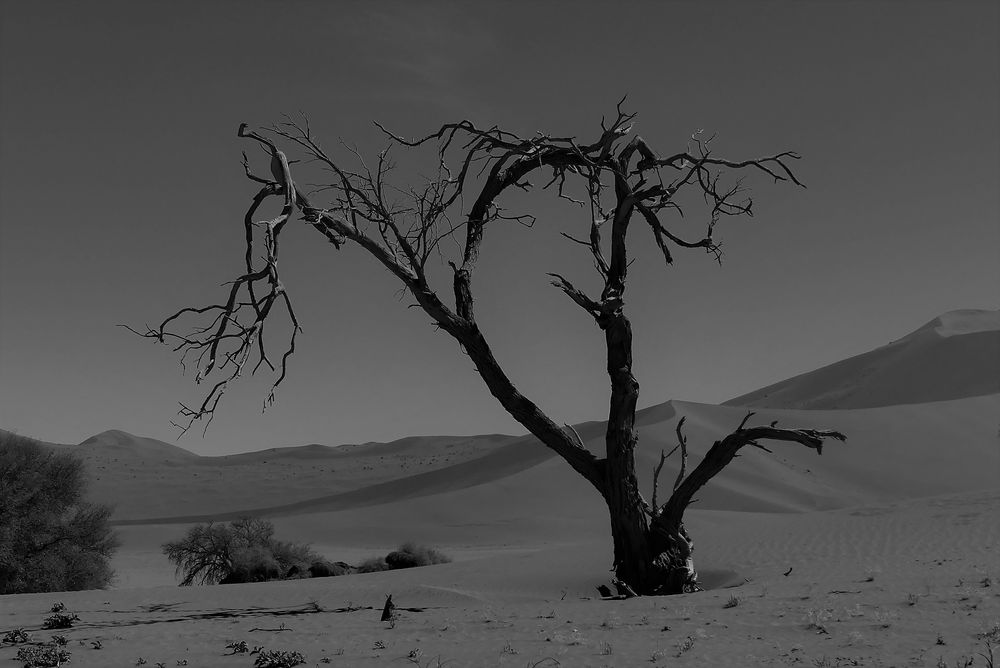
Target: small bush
[(424, 556), (409, 555), (45, 656), (328, 569), (59, 620), (373, 565), (400, 559), (290, 557), (254, 563), (16, 636), (239, 647), (278, 659)]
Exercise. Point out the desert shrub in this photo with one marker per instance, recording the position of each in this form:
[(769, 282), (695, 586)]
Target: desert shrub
[(51, 539), (16, 636), (373, 565), (400, 559), (327, 569), (254, 563), (297, 557), (411, 554), (59, 620), (278, 659), (240, 551), (45, 656)]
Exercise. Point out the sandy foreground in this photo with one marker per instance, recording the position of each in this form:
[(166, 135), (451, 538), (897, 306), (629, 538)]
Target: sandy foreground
[(907, 584)]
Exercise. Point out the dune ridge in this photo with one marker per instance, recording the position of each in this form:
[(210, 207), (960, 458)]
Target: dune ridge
[(893, 453), (955, 355), (896, 451)]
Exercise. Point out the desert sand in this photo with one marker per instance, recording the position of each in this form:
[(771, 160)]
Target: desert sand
[(881, 552)]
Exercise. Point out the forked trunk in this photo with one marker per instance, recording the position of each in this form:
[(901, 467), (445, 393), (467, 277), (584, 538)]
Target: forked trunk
[(652, 556)]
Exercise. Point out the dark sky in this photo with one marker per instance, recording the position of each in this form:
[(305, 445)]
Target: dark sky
[(122, 196)]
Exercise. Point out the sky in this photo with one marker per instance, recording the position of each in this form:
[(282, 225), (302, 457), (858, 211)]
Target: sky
[(122, 197)]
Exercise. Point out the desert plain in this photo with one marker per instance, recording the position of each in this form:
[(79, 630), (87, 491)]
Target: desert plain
[(883, 551)]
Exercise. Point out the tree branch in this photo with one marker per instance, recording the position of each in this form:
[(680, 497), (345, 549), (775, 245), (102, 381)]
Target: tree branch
[(722, 452), (682, 444), (581, 299)]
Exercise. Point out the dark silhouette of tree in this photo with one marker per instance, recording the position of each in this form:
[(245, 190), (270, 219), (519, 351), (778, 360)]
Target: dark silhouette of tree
[(614, 180), (50, 538)]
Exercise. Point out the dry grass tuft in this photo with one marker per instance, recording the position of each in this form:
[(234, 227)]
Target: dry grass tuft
[(267, 658)]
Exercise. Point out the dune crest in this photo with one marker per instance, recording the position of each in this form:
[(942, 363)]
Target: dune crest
[(963, 321), (954, 356), (121, 443)]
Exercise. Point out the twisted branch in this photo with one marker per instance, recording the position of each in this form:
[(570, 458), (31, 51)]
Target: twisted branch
[(722, 452)]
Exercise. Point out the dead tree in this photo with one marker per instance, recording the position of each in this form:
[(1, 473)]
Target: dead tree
[(614, 180)]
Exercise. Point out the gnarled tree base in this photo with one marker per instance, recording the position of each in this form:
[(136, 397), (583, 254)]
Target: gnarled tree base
[(662, 564)]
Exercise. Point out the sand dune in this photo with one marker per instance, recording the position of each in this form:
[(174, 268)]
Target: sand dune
[(122, 444), (897, 449), (146, 478), (893, 453), (888, 540), (953, 356), (499, 463)]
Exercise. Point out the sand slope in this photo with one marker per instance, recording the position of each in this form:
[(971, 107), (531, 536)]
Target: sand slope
[(892, 453), (953, 356)]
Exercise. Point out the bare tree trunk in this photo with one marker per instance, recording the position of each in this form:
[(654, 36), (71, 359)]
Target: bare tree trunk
[(629, 523)]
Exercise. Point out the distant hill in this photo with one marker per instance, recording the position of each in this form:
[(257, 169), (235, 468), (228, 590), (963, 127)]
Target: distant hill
[(143, 477), (116, 443), (953, 356), (892, 454)]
